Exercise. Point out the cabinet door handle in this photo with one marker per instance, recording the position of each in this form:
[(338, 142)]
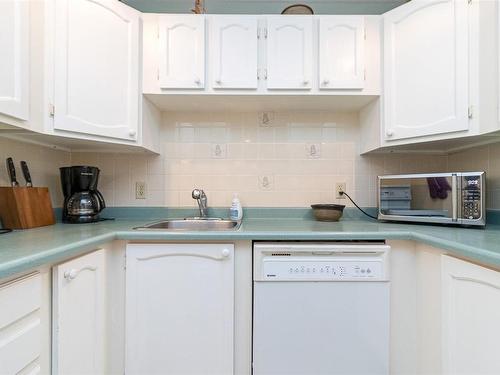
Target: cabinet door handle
[(132, 132), (218, 81), (389, 132), (325, 82), (225, 253), (305, 82), (73, 273), (197, 80)]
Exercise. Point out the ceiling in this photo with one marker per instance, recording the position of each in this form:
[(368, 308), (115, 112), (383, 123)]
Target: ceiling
[(266, 6)]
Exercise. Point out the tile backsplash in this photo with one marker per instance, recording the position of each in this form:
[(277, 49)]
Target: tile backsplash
[(43, 163), (281, 159)]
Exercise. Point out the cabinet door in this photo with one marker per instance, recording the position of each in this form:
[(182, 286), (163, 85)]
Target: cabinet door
[(426, 68), (289, 52), (182, 51), (96, 68), (180, 309), (341, 52), (79, 315), (471, 324), (14, 66), (234, 52), (21, 326)]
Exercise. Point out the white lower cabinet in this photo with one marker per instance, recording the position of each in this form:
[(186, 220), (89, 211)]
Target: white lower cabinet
[(180, 309), (20, 325), (471, 318), (79, 315)]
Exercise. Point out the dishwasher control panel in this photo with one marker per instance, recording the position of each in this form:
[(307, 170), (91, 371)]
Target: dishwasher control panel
[(320, 261), (312, 269)]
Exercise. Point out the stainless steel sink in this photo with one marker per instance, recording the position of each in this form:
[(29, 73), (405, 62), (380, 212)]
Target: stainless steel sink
[(193, 224)]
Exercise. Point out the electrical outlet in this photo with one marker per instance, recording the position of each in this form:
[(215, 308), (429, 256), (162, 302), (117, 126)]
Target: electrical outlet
[(140, 190), (339, 186)]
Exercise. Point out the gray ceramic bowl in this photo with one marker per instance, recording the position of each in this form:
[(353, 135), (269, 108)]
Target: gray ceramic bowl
[(327, 212)]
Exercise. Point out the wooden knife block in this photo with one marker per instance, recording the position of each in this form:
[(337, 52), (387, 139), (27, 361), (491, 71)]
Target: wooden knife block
[(25, 207)]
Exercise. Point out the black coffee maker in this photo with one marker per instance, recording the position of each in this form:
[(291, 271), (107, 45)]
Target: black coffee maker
[(82, 201)]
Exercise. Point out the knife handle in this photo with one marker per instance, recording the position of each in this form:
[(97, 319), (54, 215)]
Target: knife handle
[(12, 172), (26, 173)]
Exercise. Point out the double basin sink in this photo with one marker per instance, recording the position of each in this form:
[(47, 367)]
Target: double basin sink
[(192, 224)]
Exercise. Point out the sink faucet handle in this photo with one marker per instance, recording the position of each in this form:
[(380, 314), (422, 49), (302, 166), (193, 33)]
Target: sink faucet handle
[(201, 198), (198, 194)]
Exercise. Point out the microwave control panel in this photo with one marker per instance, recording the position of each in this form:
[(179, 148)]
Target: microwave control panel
[(471, 197)]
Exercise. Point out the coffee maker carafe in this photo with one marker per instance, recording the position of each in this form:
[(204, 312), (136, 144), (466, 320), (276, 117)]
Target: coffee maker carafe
[(82, 201)]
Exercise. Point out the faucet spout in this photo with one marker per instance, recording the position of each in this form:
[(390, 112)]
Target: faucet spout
[(201, 198)]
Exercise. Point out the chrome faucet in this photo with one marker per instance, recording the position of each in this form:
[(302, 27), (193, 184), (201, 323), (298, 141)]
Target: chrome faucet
[(201, 198)]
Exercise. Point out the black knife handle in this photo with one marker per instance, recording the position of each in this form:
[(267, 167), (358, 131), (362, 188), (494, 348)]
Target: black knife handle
[(26, 173), (12, 172)]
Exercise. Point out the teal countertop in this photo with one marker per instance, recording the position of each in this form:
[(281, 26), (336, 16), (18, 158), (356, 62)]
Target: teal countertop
[(21, 251)]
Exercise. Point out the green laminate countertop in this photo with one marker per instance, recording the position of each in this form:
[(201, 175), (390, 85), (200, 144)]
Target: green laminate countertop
[(21, 251)]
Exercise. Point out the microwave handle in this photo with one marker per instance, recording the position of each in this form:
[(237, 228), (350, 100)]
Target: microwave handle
[(454, 197)]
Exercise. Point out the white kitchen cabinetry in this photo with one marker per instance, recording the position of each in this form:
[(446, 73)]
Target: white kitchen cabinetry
[(233, 51), (341, 52), (14, 63), (182, 51), (426, 88), (289, 52), (20, 325), (79, 315), (180, 309), (96, 58), (471, 305)]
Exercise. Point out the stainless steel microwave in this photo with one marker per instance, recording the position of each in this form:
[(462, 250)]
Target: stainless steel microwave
[(446, 198)]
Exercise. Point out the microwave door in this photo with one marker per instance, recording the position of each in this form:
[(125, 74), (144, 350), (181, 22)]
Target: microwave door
[(418, 198)]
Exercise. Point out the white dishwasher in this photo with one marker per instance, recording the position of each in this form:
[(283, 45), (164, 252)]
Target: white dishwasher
[(321, 308)]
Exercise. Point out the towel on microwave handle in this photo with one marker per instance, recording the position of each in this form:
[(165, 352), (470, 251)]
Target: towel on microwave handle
[(438, 187)]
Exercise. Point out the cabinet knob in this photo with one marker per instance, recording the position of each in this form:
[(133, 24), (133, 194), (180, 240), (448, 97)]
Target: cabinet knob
[(225, 253), (305, 82), (326, 82), (197, 80), (71, 274), (389, 132), (218, 81), (132, 132)]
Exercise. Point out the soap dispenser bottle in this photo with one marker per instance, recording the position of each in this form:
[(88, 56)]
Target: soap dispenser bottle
[(236, 211)]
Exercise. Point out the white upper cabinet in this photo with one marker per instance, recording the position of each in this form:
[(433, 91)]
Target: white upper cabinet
[(233, 50), (289, 52), (426, 68), (182, 51), (79, 315), (180, 309), (341, 52), (14, 65), (97, 68), (471, 304)]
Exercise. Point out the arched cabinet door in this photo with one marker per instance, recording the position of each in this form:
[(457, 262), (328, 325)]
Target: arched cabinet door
[(182, 51), (426, 68), (180, 309), (233, 51), (471, 305), (341, 52), (79, 315), (96, 68), (289, 52), (14, 64)]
